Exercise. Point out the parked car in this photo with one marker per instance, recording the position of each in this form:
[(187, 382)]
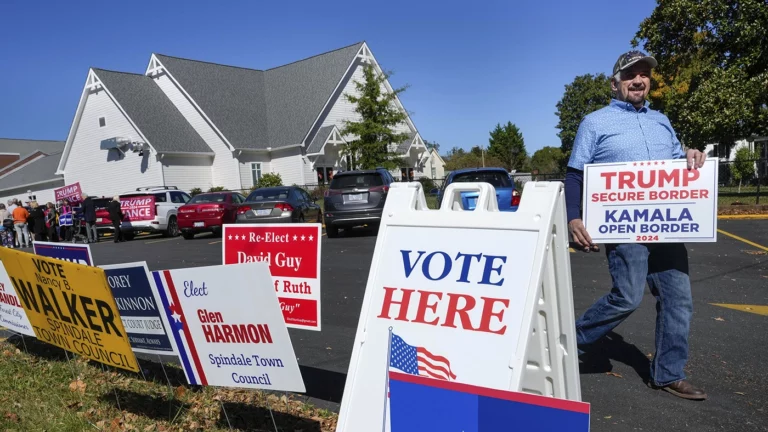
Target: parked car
[(355, 198), (282, 204), (506, 195), (208, 212), (103, 221), (168, 199)]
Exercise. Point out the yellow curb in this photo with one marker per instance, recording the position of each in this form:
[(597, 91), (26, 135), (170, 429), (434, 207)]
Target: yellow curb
[(743, 240), (743, 217)]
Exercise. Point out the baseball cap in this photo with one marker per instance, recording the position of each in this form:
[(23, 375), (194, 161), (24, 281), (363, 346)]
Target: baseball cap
[(631, 57)]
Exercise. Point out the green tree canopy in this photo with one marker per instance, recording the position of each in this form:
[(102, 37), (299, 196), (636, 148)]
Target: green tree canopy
[(374, 135), (506, 144), (712, 77), (547, 160), (585, 94), (458, 158), (432, 145)]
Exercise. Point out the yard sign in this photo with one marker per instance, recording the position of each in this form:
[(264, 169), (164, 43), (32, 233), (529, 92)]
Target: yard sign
[(462, 303), (651, 202)]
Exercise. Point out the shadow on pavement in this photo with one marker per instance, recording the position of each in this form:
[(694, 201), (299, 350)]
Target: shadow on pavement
[(323, 384), (597, 357)]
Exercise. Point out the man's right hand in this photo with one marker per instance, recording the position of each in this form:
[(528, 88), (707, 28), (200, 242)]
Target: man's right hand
[(581, 236)]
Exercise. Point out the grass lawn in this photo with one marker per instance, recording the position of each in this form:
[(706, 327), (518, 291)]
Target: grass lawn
[(40, 390)]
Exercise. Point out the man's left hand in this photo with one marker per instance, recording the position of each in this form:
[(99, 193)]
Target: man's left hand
[(695, 158)]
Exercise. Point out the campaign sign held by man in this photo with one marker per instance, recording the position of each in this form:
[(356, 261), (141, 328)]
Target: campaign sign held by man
[(76, 253), (651, 202), (138, 208), (140, 308), (228, 327), (293, 254)]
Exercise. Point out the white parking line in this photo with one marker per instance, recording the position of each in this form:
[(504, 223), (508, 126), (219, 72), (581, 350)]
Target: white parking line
[(214, 242)]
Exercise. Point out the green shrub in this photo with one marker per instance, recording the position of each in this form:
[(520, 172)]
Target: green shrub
[(195, 191), (217, 189), (428, 184), (318, 193), (268, 180)]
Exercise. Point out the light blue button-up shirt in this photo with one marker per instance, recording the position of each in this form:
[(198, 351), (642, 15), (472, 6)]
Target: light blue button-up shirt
[(621, 133)]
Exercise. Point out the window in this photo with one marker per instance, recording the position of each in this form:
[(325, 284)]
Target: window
[(268, 194), (297, 196), (324, 175), (102, 121), (356, 181), (178, 198), (160, 197), (207, 198), (306, 196), (495, 178), (256, 172), (434, 172)]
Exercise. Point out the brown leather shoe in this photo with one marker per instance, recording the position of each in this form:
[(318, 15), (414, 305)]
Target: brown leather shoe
[(684, 389)]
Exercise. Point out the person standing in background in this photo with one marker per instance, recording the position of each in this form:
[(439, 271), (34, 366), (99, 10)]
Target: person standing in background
[(89, 214), (20, 216), (65, 224), (116, 216), (6, 236), (38, 222), (51, 222)]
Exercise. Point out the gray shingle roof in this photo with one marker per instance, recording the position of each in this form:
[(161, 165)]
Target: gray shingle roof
[(154, 114), (260, 109), (320, 138), (26, 147), (40, 170), (405, 145), (233, 98)]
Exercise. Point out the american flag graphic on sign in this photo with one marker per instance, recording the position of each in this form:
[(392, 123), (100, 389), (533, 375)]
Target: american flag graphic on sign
[(418, 361)]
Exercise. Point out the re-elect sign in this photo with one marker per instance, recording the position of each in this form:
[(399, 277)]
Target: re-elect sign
[(140, 308), (293, 254), (651, 202), (228, 327), (76, 253), (138, 208)]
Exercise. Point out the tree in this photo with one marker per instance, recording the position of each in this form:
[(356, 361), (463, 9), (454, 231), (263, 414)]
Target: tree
[(712, 77), (743, 165), (506, 144), (432, 145), (587, 93), (374, 138), (547, 160), (459, 158)]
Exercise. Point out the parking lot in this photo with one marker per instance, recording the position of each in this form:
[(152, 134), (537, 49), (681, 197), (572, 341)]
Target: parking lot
[(728, 348)]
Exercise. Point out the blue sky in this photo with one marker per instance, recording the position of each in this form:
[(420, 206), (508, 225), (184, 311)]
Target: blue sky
[(469, 65)]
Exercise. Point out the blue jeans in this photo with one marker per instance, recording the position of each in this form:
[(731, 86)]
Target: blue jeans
[(665, 268)]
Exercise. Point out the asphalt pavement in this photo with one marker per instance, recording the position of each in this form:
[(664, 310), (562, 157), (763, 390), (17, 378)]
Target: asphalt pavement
[(728, 347)]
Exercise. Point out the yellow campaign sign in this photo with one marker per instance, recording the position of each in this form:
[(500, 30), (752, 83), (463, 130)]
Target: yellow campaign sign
[(70, 305)]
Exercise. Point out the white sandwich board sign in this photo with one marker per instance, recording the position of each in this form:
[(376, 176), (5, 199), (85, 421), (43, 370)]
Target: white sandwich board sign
[(468, 302)]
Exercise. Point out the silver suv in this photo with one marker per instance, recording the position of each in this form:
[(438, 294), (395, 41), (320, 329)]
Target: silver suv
[(168, 199)]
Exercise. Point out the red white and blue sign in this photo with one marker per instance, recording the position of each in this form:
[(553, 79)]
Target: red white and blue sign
[(76, 253), (228, 327), (141, 310)]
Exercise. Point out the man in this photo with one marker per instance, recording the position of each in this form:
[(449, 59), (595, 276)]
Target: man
[(89, 214), (20, 218), (628, 130), (116, 216)]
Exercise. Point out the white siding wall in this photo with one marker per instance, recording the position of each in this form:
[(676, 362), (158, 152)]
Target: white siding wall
[(246, 178), (225, 167), (43, 193), (288, 163), (187, 173), (106, 172)]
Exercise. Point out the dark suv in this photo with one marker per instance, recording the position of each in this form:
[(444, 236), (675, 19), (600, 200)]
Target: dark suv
[(355, 198)]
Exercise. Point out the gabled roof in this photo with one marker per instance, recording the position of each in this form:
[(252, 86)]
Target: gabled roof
[(257, 109), (406, 145), (25, 147), (152, 112), (37, 171), (320, 138), (233, 98)]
